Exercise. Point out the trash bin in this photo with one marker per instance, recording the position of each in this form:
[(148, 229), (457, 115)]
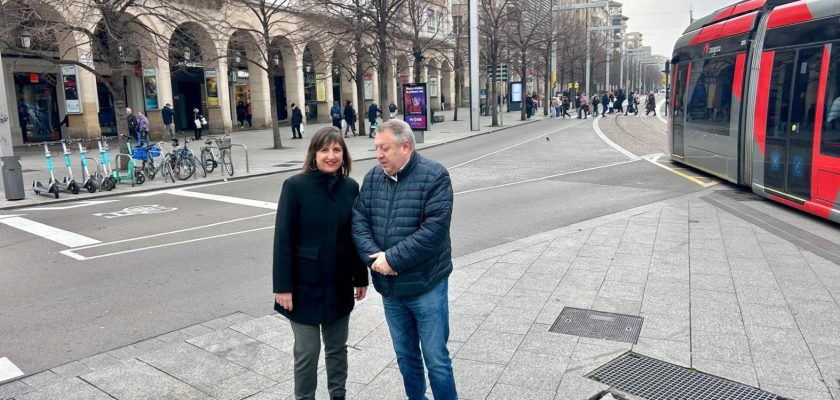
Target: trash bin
[(12, 178)]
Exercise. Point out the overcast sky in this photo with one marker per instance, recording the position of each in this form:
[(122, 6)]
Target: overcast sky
[(661, 22)]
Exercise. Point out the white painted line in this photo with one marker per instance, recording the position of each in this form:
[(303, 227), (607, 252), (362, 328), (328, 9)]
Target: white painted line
[(546, 177), (612, 144), (71, 253), (659, 106), (11, 215), (510, 147), (80, 257), (8, 370), (226, 199), (73, 205), (165, 191), (57, 235)]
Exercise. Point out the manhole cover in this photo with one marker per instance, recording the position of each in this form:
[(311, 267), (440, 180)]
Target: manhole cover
[(740, 195), (598, 325), (654, 379)]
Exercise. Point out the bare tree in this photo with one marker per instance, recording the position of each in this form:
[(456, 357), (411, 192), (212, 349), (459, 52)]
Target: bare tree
[(529, 18), (110, 49), (458, 32), (425, 30), (494, 16)]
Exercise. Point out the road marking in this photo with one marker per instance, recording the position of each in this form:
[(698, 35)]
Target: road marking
[(546, 177), (225, 199), (74, 205), (612, 144), (512, 146), (80, 257), (137, 210), (8, 370), (654, 159), (57, 235), (72, 252)]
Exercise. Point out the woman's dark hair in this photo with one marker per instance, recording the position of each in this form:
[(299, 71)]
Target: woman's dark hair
[(323, 138)]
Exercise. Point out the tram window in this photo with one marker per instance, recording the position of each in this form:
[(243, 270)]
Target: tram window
[(710, 95), (830, 143)]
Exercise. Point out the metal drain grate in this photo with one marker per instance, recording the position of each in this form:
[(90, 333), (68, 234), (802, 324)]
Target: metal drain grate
[(598, 325), (654, 379)]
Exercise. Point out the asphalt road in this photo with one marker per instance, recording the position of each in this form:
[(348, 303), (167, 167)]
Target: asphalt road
[(142, 265)]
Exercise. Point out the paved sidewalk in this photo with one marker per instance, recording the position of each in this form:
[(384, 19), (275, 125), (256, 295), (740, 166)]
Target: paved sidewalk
[(717, 294), (263, 158)]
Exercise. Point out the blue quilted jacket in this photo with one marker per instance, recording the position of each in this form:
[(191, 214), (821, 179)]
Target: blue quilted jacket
[(408, 220)]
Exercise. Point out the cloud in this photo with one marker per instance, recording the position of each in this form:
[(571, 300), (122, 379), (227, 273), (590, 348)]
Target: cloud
[(662, 22)]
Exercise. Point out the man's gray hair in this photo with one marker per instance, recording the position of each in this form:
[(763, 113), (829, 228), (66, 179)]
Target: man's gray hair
[(402, 132)]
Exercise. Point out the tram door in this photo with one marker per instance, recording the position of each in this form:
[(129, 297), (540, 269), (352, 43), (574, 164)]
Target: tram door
[(791, 113)]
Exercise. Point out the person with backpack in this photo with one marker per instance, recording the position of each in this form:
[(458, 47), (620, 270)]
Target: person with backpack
[(392, 110), (335, 113), (596, 100), (651, 104)]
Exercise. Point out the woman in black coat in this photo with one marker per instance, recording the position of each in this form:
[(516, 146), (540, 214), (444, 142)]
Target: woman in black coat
[(349, 118), (297, 119), (316, 267)]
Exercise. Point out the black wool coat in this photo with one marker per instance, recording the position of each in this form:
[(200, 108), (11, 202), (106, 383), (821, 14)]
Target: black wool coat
[(314, 255)]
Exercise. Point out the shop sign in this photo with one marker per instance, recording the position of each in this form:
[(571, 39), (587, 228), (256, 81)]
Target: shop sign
[(368, 80), (150, 89), (320, 88), (212, 87), (433, 87), (415, 111), (34, 77), (243, 74), (70, 83)]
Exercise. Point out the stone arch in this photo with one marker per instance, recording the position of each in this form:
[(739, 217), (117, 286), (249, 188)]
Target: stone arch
[(285, 68), (194, 69), (316, 69), (247, 81)]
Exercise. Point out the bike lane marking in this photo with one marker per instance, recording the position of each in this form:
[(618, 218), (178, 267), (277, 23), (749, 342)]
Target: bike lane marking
[(8, 370), (52, 233), (73, 205)]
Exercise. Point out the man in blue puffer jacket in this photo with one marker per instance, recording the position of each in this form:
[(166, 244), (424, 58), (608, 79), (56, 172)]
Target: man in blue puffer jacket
[(401, 228)]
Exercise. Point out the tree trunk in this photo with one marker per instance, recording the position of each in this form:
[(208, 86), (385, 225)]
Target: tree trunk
[(360, 96), (383, 66), (275, 124), (118, 91), (522, 71), (458, 90), (547, 102)]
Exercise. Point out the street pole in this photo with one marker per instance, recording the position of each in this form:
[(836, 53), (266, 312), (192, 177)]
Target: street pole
[(588, 60), (6, 149), (623, 56), (474, 90), (609, 50)]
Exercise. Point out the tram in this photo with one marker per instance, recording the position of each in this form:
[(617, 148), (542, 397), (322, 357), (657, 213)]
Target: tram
[(756, 100)]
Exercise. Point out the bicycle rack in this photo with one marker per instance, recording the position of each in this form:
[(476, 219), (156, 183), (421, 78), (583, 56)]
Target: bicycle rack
[(247, 163)]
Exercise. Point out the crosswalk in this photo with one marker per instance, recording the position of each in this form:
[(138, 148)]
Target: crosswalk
[(8, 370)]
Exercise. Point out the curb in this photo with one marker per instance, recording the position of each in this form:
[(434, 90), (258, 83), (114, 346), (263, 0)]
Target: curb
[(99, 195)]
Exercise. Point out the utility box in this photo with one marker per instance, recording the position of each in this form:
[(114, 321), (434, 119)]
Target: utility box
[(12, 178)]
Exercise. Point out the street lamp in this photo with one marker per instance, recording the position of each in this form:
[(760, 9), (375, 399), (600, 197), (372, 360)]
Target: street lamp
[(187, 54), (25, 41), (276, 60)]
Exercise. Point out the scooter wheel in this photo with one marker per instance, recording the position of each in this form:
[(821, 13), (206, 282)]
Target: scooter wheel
[(74, 187), (54, 191), (91, 186), (112, 183)]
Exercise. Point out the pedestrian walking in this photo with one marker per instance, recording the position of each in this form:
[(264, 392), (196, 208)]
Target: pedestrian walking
[(612, 102), (335, 113), (349, 118), (316, 273), (373, 112), (636, 100), (529, 107), (410, 255), (650, 105), (240, 114), (142, 129), (583, 108), (555, 104), (297, 120), (249, 114), (199, 122), (619, 101), (442, 102), (132, 122), (596, 100), (558, 109), (392, 110), (565, 106), (605, 104), (168, 119)]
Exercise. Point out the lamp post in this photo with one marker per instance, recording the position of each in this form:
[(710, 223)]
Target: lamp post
[(25, 41)]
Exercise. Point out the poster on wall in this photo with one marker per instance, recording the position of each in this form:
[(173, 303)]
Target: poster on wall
[(320, 88), (368, 79), (433, 87), (212, 84), (415, 111), (70, 83), (150, 89)]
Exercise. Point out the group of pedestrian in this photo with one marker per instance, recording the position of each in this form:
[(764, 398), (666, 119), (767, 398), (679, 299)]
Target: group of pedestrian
[(329, 232), (138, 124), (245, 114), (607, 102)]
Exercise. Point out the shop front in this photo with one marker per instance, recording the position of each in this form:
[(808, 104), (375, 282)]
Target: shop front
[(38, 111)]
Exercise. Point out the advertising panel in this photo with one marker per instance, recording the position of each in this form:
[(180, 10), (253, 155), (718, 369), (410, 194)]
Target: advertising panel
[(70, 82), (150, 90), (415, 110), (212, 83)]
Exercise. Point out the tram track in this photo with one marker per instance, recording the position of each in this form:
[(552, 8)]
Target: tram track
[(634, 137)]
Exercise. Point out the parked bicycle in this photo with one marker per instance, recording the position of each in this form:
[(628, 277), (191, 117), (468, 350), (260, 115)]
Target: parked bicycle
[(184, 162), (212, 156), (154, 160)]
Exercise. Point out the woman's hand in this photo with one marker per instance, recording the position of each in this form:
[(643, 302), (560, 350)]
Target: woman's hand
[(284, 300), (360, 293)]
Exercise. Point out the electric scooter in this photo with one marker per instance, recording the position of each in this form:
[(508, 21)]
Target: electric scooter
[(51, 188), (107, 181), (69, 183), (90, 182)]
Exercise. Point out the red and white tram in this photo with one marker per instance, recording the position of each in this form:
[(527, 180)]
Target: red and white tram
[(756, 100)]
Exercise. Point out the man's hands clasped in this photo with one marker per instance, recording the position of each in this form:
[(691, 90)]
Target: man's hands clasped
[(381, 264)]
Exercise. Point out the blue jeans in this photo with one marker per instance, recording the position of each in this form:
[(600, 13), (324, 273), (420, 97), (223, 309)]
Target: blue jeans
[(416, 321)]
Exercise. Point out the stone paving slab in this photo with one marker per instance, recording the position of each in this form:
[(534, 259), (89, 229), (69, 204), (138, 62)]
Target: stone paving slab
[(761, 316)]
